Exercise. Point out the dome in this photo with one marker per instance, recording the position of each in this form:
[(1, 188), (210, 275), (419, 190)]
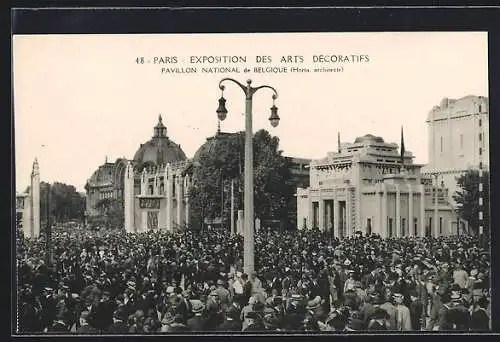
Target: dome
[(369, 138), (159, 150)]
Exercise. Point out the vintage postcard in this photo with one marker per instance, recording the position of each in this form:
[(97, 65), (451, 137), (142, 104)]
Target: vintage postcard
[(245, 183)]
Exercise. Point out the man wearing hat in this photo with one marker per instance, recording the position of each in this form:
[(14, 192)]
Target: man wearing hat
[(103, 316), (355, 322), (256, 283), (458, 314), (85, 327), (247, 288), (231, 320), (379, 320), (480, 320), (436, 307), (223, 294), (118, 326), (460, 276), (48, 304), (60, 325), (176, 324), (403, 318), (167, 319), (416, 308), (390, 309), (197, 322), (254, 322), (367, 308)]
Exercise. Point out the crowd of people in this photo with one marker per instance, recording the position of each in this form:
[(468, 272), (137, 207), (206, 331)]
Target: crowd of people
[(304, 281)]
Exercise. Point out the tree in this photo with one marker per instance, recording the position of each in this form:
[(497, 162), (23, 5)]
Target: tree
[(65, 202), (209, 194), (467, 198)]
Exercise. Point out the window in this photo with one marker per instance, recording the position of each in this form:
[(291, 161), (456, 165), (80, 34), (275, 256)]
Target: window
[(162, 188), (480, 136), (415, 226), (390, 227), (430, 227), (173, 186), (150, 189), (480, 108), (462, 141), (403, 224), (480, 122), (441, 144), (480, 151), (440, 226), (368, 226), (304, 223)]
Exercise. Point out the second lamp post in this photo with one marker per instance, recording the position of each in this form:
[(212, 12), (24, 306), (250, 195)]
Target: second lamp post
[(248, 230)]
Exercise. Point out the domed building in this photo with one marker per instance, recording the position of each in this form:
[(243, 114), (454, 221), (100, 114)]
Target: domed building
[(158, 150), (151, 188)]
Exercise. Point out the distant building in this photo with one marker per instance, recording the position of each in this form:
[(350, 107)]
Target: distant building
[(300, 171), (151, 188), (28, 206), (364, 186), (458, 139)]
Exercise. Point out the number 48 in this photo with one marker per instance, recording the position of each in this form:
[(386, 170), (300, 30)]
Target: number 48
[(139, 60)]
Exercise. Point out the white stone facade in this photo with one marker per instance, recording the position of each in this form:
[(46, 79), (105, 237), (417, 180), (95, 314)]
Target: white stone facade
[(458, 139), (156, 198), (362, 187)]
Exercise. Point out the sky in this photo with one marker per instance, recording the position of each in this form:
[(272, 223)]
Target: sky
[(79, 99)]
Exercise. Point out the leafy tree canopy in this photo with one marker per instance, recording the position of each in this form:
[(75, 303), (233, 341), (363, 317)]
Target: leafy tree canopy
[(467, 198), (223, 160), (66, 204)]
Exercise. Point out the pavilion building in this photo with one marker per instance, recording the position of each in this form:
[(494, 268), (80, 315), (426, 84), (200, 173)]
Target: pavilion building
[(369, 186)]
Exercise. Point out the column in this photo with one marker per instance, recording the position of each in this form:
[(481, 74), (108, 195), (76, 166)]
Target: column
[(144, 188), (398, 211), (310, 217), (35, 199), (128, 198), (186, 198), (410, 211), (376, 224), (27, 217), (422, 210), (321, 212), (384, 227), (336, 210), (436, 219), (169, 199), (347, 214), (179, 193)]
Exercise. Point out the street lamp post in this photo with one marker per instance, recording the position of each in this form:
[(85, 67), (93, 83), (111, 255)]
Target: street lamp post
[(248, 231)]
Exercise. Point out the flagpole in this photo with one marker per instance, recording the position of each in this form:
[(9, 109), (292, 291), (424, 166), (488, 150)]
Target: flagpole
[(402, 148)]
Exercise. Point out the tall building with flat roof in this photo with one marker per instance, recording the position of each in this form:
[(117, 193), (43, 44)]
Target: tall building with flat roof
[(370, 186), (458, 139)]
